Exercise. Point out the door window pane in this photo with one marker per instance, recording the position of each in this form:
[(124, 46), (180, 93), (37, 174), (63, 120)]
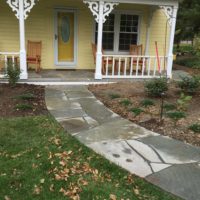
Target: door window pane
[(65, 29)]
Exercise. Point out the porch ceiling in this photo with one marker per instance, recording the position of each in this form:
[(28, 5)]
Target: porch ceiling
[(146, 2)]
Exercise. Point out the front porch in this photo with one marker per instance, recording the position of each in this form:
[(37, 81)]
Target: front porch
[(156, 22)]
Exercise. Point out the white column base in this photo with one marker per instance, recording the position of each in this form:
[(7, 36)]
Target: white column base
[(169, 66), (98, 73), (23, 65)]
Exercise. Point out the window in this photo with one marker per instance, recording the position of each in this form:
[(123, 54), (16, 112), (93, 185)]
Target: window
[(119, 32), (128, 31), (108, 33)]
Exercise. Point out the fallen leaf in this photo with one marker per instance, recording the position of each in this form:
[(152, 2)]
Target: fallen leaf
[(113, 197), (37, 190), (7, 198), (51, 188), (42, 181), (136, 191)]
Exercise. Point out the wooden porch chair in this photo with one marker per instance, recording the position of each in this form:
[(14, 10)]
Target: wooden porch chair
[(137, 50), (104, 61), (34, 50)]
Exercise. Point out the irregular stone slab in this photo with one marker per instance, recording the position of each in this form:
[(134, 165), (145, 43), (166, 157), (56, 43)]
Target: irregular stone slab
[(173, 151), (75, 88), (74, 125), (53, 93), (57, 104), (159, 166), (61, 115), (79, 94), (116, 151), (147, 152), (92, 122), (181, 180), (97, 110), (119, 129)]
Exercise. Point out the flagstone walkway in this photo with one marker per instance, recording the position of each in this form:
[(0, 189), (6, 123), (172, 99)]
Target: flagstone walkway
[(168, 163)]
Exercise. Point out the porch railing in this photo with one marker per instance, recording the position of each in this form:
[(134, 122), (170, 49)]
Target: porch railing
[(128, 66), (7, 58)]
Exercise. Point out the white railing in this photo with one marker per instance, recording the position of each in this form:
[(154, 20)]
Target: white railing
[(7, 58), (128, 66)]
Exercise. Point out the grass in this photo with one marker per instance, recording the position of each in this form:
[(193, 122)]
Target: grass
[(126, 102), (137, 111), (114, 96), (23, 107), (38, 160), (26, 96)]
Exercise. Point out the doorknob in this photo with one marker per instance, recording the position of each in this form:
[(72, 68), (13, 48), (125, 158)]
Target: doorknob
[(56, 36)]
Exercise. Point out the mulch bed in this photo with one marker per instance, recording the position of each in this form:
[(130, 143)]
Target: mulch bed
[(135, 92), (11, 98)]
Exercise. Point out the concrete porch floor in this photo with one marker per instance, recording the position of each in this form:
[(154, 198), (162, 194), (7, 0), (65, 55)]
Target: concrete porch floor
[(62, 75)]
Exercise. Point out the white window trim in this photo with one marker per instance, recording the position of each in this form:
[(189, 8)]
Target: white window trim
[(117, 27), (70, 65)]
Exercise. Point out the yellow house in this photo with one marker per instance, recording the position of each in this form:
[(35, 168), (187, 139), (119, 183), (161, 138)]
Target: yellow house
[(67, 28)]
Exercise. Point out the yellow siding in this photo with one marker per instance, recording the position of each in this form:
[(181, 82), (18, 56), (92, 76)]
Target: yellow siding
[(40, 26)]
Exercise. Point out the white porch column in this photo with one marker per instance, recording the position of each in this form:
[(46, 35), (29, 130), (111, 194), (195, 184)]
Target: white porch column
[(23, 63), (22, 8), (101, 10), (171, 41), (98, 72)]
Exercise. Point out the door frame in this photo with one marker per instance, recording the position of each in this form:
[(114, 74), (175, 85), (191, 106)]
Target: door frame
[(64, 64)]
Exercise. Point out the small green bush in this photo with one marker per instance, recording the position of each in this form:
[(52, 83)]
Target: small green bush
[(176, 116), (169, 107), (26, 96), (114, 96), (126, 102), (23, 107), (189, 85), (183, 102), (13, 74), (137, 111), (147, 102), (195, 128), (156, 87)]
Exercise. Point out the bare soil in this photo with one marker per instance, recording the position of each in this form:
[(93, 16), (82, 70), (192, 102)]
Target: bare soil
[(150, 118), (10, 98)]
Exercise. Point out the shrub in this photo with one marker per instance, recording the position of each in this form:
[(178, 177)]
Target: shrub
[(176, 116), (147, 102), (27, 96), (169, 107), (156, 87), (23, 107), (189, 85), (114, 96), (125, 102), (195, 128), (137, 111), (193, 62), (13, 74), (183, 102)]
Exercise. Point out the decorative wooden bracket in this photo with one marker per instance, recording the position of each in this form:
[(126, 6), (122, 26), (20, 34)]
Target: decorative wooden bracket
[(94, 7), (28, 5), (168, 10)]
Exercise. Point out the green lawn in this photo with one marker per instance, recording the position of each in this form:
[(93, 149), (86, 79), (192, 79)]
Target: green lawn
[(38, 160)]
